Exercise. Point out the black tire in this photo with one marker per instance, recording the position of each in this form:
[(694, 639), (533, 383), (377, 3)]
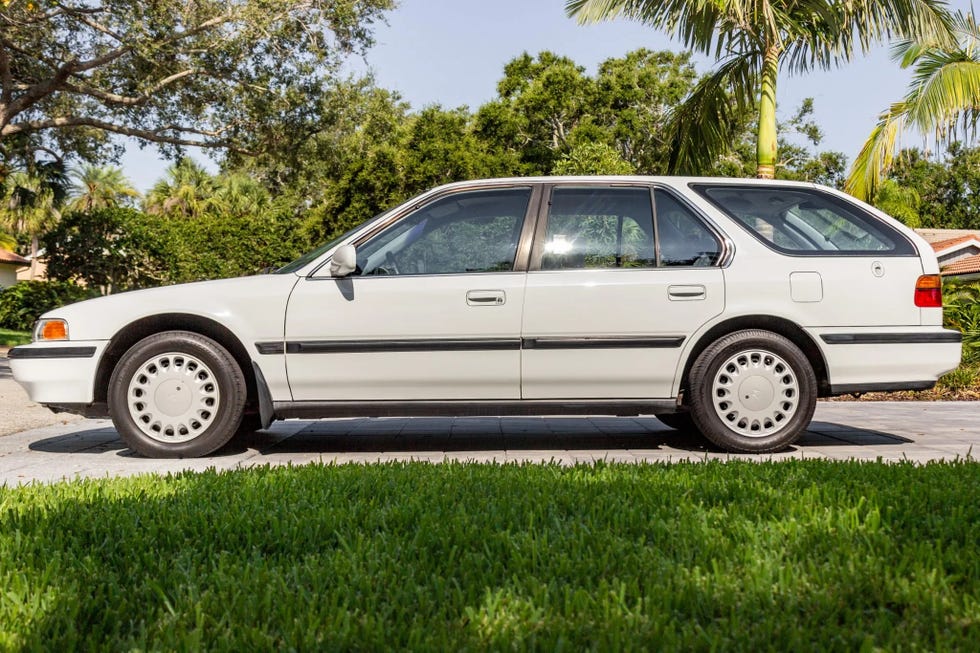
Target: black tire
[(764, 398), (192, 390), (679, 421)]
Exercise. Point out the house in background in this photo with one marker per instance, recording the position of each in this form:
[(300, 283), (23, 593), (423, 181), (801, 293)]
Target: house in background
[(9, 264), (958, 251), (35, 271)]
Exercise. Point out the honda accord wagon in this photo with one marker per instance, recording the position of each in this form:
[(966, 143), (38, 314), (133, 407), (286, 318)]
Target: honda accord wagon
[(724, 306)]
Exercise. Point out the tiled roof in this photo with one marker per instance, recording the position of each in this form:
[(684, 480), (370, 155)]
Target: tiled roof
[(968, 265), (953, 242), (937, 235), (10, 257)]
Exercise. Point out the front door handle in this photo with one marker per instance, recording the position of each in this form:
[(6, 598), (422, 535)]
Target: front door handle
[(486, 297), (686, 293)]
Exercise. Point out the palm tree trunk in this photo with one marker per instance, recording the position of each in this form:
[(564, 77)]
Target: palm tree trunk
[(34, 249), (766, 148)]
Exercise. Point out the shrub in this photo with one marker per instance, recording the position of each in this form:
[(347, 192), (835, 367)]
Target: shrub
[(112, 248), (962, 312), (22, 303)]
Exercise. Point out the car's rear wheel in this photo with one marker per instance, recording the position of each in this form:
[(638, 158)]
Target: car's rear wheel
[(176, 394), (752, 391)]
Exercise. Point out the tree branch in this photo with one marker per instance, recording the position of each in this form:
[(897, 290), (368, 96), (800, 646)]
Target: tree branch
[(72, 67), (130, 100), (112, 55), (154, 135), (6, 78)]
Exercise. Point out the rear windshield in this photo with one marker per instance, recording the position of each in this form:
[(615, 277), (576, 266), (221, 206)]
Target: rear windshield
[(806, 222)]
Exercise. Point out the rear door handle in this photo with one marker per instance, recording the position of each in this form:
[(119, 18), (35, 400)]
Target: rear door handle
[(686, 293), (486, 297)]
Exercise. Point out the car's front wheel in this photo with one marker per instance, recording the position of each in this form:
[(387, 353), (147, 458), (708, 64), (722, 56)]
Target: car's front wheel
[(752, 391), (176, 394)]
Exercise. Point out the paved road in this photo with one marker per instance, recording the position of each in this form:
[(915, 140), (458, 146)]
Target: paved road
[(889, 431)]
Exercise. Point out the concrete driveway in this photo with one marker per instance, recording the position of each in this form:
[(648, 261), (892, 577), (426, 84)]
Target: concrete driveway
[(887, 431)]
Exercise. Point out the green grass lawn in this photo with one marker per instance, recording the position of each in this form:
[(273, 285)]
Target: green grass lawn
[(772, 556), (10, 338)]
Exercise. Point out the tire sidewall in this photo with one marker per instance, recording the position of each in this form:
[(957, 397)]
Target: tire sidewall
[(228, 376), (702, 401)]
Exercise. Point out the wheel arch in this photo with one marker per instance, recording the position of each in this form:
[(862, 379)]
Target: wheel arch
[(133, 332), (786, 328)]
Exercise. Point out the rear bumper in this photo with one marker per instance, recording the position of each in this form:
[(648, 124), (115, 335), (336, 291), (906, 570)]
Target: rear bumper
[(57, 373), (876, 359)]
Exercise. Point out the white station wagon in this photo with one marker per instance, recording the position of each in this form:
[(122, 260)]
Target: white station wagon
[(722, 305)]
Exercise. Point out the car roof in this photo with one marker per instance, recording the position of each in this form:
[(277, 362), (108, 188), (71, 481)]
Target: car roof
[(613, 179)]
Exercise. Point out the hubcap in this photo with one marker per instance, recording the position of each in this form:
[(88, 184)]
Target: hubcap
[(755, 393), (173, 397)]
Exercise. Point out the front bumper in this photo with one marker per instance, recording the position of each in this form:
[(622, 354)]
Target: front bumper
[(58, 372)]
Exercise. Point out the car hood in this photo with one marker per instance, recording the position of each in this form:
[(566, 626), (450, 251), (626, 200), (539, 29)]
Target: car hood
[(253, 300)]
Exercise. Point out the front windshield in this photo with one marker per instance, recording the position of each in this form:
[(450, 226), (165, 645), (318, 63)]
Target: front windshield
[(312, 255)]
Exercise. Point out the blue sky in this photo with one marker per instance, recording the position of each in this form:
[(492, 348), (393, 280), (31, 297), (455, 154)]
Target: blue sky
[(452, 52)]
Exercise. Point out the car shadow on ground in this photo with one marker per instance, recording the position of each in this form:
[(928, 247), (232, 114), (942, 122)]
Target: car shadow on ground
[(433, 435)]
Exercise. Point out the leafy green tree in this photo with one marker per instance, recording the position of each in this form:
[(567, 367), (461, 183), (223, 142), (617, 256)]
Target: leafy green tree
[(948, 187), (900, 202), (943, 95), (541, 102), (110, 248), (757, 38), (547, 106), (592, 159), (209, 73), (99, 187), (633, 99)]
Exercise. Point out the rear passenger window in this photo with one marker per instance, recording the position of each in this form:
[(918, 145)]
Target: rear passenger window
[(684, 240), (591, 228), (599, 228), (806, 222)]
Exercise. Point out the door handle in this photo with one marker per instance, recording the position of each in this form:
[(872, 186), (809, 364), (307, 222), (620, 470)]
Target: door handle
[(686, 293), (486, 297)]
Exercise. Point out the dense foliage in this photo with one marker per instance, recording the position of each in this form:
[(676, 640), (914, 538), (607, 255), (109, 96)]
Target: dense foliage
[(961, 311), (22, 303), (946, 188), (210, 73), (792, 555)]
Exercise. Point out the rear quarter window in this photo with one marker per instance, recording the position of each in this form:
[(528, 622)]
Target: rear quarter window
[(806, 222)]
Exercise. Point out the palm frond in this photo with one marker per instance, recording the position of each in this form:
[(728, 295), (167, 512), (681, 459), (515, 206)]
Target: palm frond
[(877, 154), (7, 242), (944, 89), (704, 126), (696, 23)]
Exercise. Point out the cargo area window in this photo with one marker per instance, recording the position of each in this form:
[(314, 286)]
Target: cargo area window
[(806, 222)]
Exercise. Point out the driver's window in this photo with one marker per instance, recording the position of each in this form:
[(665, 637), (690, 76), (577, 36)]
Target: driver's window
[(475, 231)]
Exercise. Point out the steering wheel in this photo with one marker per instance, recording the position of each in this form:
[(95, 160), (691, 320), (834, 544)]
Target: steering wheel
[(390, 263)]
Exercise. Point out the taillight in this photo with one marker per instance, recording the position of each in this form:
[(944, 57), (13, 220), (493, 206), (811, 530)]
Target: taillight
[(929, 291)]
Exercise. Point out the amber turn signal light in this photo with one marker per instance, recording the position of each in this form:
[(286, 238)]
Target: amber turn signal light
[(929, 291), (51, 330)]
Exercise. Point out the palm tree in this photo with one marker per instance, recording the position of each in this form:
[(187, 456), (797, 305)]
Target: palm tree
[(98, 187), (943, 99), (754, 40), (30, 204), (184, 191), (237, 194)]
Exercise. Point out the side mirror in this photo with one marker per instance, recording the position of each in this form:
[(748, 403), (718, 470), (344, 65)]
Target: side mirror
[(343, 261)]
